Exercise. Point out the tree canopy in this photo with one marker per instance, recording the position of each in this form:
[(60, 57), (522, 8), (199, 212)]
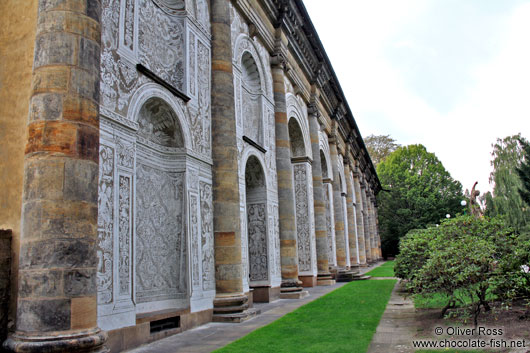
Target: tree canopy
[(524, 173), (379, 147), (420, 192), (507, 159)]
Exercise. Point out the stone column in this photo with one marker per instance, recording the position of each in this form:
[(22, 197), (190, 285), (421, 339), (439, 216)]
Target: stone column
[(352, 230), (330, 221), (337, 206), (367, 242), (290, 287), (321, 234), (56, 306), (375, 251), (360, 221), (230, 303)]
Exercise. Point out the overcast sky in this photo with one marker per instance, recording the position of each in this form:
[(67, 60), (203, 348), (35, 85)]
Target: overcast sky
[(453, 75)]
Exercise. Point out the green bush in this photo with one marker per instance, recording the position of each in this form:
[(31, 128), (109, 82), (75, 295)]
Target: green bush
[(464, 259)]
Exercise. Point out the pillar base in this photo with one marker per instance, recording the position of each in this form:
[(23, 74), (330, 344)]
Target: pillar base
[(91, 341), (325, 279), (232, 308), (292, 290)]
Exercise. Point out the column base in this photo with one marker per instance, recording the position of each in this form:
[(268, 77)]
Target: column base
[(91, 341), (308, 281), (325, 279), (232, 308), (292, 290)]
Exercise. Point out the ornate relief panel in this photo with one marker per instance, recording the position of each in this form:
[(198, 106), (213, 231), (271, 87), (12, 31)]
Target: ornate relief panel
[(303, 222), (330, 224), (105, 224), (161, 43), (257, 242), (161, 245), (195, 250), (124, 235), (207, 245)]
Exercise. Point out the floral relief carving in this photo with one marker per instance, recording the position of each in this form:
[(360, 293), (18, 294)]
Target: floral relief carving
[(125, 153), (207, 246), (161, 245), (277, 264), (105, 224), (128, 29), (161, 43), (192, 77), (257, 242), (124, 235), (329, 225), (194, 241), (302, 218)]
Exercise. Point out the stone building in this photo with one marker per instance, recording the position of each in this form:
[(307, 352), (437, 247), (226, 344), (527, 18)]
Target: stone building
[(166, 163)]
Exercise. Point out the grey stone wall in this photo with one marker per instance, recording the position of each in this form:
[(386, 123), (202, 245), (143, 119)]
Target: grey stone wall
[(5, 274)]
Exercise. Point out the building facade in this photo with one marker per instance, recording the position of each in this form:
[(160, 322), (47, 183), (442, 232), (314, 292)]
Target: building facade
[(181, 159)]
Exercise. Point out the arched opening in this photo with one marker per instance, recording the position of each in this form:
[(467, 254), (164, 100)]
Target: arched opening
[(251, 96), (160, 242), (296, 139), (324, 165), (256, 202)]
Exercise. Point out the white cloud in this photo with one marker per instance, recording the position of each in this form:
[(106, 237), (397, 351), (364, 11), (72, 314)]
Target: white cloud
[(493, 97)]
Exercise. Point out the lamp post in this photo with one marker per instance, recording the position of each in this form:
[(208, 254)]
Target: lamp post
[(464, 203)]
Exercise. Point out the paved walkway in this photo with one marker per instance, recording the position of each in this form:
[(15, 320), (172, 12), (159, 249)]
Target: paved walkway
[(397, 326), (213, 335)]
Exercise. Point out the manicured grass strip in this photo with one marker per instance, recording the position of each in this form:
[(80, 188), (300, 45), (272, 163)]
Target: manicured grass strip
[(341, 321), (385, 270)]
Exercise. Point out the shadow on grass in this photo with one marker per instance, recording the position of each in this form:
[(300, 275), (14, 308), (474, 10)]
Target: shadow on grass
[(341, 321)]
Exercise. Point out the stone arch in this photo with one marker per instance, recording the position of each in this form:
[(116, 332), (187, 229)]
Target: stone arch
[(324, 165), (251, 95), (296, 111), (324, 148), (158, 123), (153, 90), (256, 211), (296, 139), (244, 44)]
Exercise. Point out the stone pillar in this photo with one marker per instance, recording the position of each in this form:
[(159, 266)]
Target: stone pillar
[(360, 221), (56, 306), (330, 222), (337, 206), (321, 234), (5, 279), (230, 303), (352, 230), (375, 252), (367, 242), (290, 287)]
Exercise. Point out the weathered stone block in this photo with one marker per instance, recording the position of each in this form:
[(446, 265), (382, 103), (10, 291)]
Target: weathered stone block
[(89, 55), (46, 106), (80, 282), (80, 180), (88, 143), (62, 253), (55, 48), (85, 83), (82, 110), (50, 79), (51, 136), (93, 9), (80, 24), (84, 313), (56, 5), (43, 179), (51, 220), (41, 283), (43, 315), (227, 255)]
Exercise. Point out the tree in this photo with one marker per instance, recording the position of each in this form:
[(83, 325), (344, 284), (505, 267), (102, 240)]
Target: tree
[(379, 147), (506, 200), (420, 193), (524, 173)]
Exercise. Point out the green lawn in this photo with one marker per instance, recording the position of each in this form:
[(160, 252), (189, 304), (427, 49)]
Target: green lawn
[(341, 321), (385, 270)]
